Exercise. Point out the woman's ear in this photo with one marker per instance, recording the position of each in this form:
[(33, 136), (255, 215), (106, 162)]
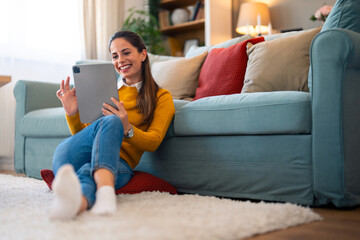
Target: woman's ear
[(144, 54)]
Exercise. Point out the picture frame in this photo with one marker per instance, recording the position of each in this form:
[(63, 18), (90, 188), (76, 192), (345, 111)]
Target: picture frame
[(189, 43)]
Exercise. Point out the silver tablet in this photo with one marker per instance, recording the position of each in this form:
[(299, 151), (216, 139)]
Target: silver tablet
[(95, 84)]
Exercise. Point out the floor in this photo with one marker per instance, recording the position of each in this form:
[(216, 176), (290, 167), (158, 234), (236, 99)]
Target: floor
[(337, 224)]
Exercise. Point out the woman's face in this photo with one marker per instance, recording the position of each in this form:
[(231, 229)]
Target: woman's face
[(127, 60)]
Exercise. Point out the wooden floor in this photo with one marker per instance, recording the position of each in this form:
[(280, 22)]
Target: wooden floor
[(337, 224)]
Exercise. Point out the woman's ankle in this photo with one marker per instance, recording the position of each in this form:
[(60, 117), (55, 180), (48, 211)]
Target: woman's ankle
[(104, 177)]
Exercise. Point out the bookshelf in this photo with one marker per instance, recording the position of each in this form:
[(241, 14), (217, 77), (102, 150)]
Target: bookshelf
[(178, 34), (188, 26), (4, 80)]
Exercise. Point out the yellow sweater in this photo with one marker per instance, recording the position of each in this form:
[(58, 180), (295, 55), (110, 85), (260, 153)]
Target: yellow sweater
[(146, 138)]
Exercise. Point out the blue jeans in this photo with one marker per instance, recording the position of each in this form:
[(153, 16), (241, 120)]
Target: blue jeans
[(96, 146)]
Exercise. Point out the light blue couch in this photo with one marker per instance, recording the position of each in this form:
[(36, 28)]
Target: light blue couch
[(279, 146)]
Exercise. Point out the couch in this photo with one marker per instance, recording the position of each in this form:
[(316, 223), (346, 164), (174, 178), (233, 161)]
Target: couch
[(289, 146)]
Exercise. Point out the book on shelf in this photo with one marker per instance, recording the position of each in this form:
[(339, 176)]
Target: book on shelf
[(164, 19), (200, 14), (196, 9)]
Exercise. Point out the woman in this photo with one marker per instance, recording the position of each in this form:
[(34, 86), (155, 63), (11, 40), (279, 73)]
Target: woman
[(99, 157)]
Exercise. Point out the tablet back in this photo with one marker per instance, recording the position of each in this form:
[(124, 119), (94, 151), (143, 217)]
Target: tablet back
[(95, 84)]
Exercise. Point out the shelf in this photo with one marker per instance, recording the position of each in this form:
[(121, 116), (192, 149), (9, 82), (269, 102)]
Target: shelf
[(178, 34), (184, 27), (172, 4), (4, 80)]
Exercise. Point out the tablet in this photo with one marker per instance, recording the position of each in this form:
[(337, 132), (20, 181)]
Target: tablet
[(95, 84)]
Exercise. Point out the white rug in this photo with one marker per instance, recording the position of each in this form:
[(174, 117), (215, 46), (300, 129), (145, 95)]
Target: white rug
[(24, 204)]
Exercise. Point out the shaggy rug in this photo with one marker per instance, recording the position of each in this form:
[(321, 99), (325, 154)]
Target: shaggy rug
[(24, 203)]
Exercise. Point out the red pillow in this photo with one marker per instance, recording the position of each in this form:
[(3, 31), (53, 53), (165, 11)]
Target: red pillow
[(223, 70), (140, 182)]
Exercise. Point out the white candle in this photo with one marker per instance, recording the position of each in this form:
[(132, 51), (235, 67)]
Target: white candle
[(259, 23), (270, 28)]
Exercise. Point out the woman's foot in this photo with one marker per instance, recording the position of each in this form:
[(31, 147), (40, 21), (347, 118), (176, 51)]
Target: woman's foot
[(105, 203), (67, 191)]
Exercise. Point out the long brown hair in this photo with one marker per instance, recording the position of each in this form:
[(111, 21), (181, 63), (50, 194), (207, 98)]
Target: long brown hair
[(146, 98)]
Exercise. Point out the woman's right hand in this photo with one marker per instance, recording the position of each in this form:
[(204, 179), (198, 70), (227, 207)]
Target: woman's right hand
[(67, 97)]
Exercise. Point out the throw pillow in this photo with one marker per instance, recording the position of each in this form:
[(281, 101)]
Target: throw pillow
[(231, 42), (159, 58), (140, 182), (179, 76), (195, 50), (344, 14), (280, 65), (223, 70)]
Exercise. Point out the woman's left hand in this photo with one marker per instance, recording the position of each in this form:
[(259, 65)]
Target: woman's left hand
[(118, 111)]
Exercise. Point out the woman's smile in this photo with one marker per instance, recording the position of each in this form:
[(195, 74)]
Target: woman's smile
[(125, 68)]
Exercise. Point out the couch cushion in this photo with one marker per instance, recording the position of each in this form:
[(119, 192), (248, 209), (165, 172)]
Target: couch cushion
[(286, 112), (51, 122), (196, 50), (344, 14), (47, 122)]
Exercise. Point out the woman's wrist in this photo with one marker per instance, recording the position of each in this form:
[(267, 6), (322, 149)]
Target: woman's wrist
[(71, 114), (129, 132)]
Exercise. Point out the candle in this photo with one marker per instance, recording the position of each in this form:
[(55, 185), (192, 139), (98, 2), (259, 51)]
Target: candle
[(259, 23), (270, 28)]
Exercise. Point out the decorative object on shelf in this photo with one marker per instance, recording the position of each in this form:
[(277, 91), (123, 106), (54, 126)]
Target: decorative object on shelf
[(146, 25), (191, 10), (322, 13), (179, 16), (189, 43), (254, 19)]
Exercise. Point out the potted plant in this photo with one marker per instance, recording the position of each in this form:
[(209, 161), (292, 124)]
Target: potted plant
[(146, 26)]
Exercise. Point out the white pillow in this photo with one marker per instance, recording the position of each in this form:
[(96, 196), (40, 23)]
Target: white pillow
[(195, 50), (159, 58), (180, 76)]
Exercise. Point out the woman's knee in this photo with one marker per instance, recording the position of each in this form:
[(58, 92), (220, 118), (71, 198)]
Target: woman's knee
[(113, 122), (59, 157), (112, 119)]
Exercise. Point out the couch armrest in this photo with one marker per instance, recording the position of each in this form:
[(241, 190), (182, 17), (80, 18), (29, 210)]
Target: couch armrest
[(334, 79), (30, 95)]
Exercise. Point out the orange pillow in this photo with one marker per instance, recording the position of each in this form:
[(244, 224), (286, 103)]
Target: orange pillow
[(140, 182), (223, 70)]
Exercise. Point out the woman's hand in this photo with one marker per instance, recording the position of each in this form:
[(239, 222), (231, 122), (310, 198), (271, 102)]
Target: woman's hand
[(118, 111), (67, 97)]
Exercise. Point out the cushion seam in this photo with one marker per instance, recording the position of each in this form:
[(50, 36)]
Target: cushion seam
[(236, 108)]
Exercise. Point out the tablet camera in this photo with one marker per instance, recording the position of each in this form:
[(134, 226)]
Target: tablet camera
[(76, 69)]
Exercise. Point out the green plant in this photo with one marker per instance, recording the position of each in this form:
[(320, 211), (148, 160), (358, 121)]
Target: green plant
[(146, 26)]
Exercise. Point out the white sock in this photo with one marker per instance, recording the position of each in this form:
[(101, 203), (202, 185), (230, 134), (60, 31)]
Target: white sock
[(105, 203), (67, 191)]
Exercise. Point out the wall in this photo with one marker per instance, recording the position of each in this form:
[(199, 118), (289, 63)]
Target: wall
[(137, 4), (286, 14), (30, 70), (217, 31)]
